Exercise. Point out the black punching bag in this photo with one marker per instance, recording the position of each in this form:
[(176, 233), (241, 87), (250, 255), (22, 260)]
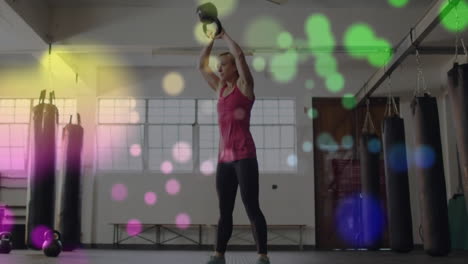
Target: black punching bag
[(41, 182), (397, 185), (370, 188), (430, 172), (69, 222), (458, 92)]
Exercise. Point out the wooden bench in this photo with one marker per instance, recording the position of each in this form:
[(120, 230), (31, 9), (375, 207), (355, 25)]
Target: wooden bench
[(239, 231)]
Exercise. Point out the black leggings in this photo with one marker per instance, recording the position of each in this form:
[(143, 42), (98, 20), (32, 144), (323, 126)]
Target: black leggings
[(245, 174)]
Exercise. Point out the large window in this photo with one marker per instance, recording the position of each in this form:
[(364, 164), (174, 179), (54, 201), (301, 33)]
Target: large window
[(182, 135), (121, 134), (15, 127), (170, 135), (14, 124)]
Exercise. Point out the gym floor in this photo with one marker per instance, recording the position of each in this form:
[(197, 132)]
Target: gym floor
[(237, 257)]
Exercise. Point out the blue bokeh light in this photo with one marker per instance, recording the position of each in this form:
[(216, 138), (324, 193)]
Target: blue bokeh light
[(424, 156), (397, 158), (374, 145), (350, 224)]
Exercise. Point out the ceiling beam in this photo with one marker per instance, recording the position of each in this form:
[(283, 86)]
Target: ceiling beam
[(26, 22), (407, 46)]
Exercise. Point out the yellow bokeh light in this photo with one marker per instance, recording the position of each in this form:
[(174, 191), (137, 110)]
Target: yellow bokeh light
[(200, 36), (173, 83), (213, 63)]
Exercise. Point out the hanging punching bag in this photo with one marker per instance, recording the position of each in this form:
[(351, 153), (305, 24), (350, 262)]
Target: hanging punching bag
[(430, 172), (397, 186), (69, 222), (458, 93), (369, 152), (41, 181)]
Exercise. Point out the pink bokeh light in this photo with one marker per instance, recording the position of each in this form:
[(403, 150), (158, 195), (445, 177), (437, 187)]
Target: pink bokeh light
[(151, 198), (182, 152), (37, 235), (134, 227), (172, 187), (7, 221), (135, 150), (167, 167), (239, 114), (207, 167), (183, 221), (119, 192)]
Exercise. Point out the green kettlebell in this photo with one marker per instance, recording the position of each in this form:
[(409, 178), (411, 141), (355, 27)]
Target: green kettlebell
[(6, 243), (52, 246), (208, 15)]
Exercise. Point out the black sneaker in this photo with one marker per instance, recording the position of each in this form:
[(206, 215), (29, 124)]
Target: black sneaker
[(263, 260), (216, 260)]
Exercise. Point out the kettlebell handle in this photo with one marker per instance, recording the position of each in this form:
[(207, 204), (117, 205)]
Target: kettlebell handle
[(218, 30), (50, 235), (5, 236)]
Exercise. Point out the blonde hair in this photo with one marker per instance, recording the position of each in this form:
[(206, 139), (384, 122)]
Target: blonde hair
[(227, 53)]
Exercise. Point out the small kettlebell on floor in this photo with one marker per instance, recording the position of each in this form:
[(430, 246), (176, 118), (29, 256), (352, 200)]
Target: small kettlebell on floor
[(52, 246), (5, 242)]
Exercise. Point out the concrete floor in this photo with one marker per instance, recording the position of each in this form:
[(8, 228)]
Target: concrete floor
[(196, 257)]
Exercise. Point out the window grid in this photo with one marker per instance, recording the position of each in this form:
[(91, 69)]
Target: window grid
[(14, 125), (273, 126), (120, 147), (122, 111)]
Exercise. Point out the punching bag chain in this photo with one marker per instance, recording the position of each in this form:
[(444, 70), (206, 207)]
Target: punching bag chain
[(391, 104), (368, 123), (421, 81), (457, 36)]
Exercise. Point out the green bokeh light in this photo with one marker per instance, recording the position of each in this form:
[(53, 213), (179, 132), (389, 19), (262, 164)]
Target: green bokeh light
[(450, 20), (284, 66), (262, 31), (347, 142), (327, 143), (356, 37), (312, 113), (325, 65), (398, 3), (285, 40), (302, 44), (335, 82), (259, 63), (307, 146), (381, 57), (318, 31), (348, 101), (361, 43), (310, 84)]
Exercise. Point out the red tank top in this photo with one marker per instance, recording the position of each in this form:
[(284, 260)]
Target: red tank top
[(235, 140)]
